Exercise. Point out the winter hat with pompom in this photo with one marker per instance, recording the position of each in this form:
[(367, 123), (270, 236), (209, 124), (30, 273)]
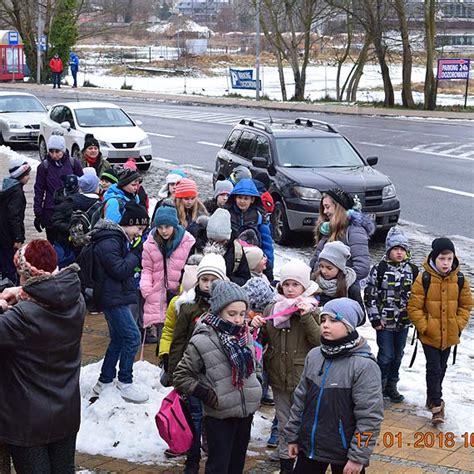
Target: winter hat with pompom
[(396, 238)]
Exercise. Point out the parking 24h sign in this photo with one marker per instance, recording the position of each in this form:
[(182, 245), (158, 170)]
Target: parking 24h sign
[(453, 69)]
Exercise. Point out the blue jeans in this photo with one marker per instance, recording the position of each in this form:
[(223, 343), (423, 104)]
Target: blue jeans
[(389, 357), (56, 79), (194, 454), (123, 346)]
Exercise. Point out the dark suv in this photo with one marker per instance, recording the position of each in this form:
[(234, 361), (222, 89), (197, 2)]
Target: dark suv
[(303, 159)]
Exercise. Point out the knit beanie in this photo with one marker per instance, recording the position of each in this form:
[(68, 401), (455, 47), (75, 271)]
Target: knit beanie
[(174, 177), (222, 187), (337, 253), (346, 311), (134, 214), (130, 164), (166, 215), (90, 140), (89, 182), (71, 183), (396, 238), (240, 172), (218, 226), (110, 175), (127, 176), (341, 197), (186, 188), (18, 168), (259, 293), (38, 257), (254, 256), (56, 142), (296, 270), (224, 293), (440, 245), (212, 264)]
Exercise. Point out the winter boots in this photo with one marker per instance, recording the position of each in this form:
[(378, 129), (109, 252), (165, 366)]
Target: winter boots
[(391, 392), (286, 466), (438, 414), (130, 394)]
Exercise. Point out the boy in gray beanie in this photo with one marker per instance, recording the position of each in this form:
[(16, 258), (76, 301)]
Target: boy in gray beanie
[(386, 296), (222, 190)]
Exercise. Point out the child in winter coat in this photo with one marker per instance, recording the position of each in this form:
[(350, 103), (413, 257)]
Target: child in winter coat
[(334, 278), (386, 297), (340, 219), (188, 205), (12, 215), (218, 368), (256, 260), (190, 306), (222, 190), (107, 178), (117, 251), (439, 307), (337, 408), (243, 205), (164, 255), (290, 336)]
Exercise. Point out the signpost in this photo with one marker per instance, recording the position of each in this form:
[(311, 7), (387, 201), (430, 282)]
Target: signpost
[(13, 38), (454, 69), (243, 79)]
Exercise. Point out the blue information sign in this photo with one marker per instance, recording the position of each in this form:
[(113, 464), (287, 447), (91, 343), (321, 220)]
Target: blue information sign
[(13, 37), (243, 79)]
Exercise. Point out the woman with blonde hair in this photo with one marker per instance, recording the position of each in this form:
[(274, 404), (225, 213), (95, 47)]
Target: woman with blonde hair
[(340, 219)]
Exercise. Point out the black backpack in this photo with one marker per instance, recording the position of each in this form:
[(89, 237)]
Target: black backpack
[(86, 262), (81, 225)]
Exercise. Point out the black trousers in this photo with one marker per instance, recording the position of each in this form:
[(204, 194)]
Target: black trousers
[(436, 364), (305, 465), (52, 458), (227, 441), (7, 267)]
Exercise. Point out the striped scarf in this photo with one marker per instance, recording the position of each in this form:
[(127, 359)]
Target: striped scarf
[(235, 341)]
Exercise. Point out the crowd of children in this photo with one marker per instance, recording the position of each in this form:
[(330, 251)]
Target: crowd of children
[(197, 279)]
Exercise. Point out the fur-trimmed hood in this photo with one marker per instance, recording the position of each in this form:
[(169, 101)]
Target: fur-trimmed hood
[(362, 220), (188, 297)]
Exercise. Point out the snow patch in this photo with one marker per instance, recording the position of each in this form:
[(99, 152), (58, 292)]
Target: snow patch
[(6, 153)]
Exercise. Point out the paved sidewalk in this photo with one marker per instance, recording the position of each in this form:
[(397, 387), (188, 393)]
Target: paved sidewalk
[(237, 102)]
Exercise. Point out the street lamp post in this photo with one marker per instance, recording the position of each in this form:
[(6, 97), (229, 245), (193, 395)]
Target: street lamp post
[(257, 51), (40, 26)]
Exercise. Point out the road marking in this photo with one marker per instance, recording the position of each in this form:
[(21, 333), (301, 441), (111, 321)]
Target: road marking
[(371, 144), (210, 144), (452, 191), (194, 167), (160, 135), (162, 159)]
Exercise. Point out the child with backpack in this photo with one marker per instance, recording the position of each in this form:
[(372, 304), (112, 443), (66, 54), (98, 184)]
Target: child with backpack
[(290, 333), (117, 251), (439, 307), (218, 367), (337, 407), (164, 256), (334, 277), (222, 190), (388, 290)]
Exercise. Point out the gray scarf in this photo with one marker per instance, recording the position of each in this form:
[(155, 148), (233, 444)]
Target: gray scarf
[(329, 287)]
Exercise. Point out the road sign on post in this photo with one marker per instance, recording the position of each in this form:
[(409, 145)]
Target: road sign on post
[(243, 79), (454, 69), (13, 37)]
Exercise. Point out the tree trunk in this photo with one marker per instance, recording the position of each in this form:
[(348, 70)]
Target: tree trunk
[(354, 81), (430, 32), (342, 60), (281, 75), (380, 52), (407, 95)]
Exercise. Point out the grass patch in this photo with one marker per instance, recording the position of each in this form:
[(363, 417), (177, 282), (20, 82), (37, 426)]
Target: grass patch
[(417, 106)]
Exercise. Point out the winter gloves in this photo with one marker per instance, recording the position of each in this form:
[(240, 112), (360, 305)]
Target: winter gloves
[(207, 395), (38, 223)]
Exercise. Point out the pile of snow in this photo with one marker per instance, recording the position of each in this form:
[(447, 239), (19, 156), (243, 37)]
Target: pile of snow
[(6, 153), (187, 26)]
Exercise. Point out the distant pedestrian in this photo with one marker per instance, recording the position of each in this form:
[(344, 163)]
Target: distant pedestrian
[(57, 67), (74, 66)]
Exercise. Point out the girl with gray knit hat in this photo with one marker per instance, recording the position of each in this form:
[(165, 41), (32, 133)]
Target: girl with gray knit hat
[(218, 367)]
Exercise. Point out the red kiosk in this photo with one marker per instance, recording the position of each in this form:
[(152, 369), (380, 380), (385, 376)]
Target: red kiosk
[(11, 56)]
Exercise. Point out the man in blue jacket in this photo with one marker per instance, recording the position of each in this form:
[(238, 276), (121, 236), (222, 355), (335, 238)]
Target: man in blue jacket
[(74, 66)]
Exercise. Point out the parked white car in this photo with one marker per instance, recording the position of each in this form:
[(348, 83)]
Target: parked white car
[(119, 136), (20, 117)]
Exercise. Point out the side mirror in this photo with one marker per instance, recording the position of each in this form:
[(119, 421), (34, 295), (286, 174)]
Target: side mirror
[(48, 107), (259, 162), (372, 160), (66, 125), (139, 123)]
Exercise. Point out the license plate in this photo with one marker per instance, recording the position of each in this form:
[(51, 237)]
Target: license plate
[(34, 134), (372, 215)]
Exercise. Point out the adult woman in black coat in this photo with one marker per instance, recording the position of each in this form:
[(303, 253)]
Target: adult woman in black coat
[(40, 361)]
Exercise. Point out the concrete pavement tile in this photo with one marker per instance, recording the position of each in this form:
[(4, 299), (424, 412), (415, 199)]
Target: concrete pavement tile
[(459, 457), (116, 465), (412, 422), (92, 461), (428, 455)]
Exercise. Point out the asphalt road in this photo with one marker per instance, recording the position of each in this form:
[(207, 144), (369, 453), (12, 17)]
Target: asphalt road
[(431, 162)]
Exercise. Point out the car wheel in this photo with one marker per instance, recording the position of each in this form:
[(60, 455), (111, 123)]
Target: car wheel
[(281, 231), (76, 153), (42, 149), (144, 166)]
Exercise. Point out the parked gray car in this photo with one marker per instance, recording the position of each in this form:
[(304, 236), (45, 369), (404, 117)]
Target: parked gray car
[(20, 117)]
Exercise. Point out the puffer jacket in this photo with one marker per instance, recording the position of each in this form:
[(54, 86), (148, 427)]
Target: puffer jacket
[(115, 199), (12, 212), (40, 361), (189, 308), (387, 300), (114, 265), (335, 399), (168, 329), (152, 284), (287, 348), (205, 362), (360, 228), (441, 314)]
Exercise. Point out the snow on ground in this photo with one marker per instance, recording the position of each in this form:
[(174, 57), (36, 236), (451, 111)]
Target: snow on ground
[(185, 26), (7, 153)]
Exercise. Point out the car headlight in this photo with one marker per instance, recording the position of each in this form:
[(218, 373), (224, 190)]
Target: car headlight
[(144, 142), (12, 125), (104, 144), (389, 192), (308, 194)]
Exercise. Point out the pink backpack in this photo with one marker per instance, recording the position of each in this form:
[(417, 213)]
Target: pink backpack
[(174, 423)]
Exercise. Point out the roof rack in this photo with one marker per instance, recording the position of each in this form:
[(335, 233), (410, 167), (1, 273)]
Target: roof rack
[(256, 124), (306, 122)]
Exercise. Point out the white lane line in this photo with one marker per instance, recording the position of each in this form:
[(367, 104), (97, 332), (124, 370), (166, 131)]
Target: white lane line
[(443, 155), (165, 160), (194, 167), (452, 191), (160, 135), (371, 144), (210, 144)]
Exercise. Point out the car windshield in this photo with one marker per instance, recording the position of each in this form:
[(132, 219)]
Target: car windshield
[(20, 103), (102, 117), (316, 152)]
